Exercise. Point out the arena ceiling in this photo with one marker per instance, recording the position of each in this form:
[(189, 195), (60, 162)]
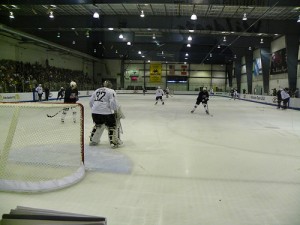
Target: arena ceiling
[(219, 34)]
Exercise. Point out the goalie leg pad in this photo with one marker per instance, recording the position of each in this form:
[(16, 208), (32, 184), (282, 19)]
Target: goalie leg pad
[(96, 134), (113, 137)]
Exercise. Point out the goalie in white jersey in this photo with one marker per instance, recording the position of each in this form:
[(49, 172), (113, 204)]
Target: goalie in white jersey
[(105, 112)]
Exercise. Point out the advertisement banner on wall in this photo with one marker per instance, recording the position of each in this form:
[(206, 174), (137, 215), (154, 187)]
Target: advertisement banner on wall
[(184, 70), (256, 67), (279, 62), (171, 70), (155, 72)]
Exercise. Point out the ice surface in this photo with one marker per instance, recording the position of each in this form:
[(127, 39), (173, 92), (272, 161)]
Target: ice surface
[(240, 166)]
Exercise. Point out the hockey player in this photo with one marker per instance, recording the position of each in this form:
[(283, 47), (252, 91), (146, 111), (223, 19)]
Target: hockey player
[(105, 113), (40, 91), (203, 97), (60, 94), (167, 91), (71, 96), (235, 94), (158, 95), (279, 98), (285, 98)]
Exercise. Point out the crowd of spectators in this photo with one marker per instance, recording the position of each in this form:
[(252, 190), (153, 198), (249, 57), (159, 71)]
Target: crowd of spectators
[(17, 76)]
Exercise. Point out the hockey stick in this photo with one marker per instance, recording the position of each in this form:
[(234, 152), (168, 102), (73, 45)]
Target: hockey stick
[(54, 114), (59, 111)]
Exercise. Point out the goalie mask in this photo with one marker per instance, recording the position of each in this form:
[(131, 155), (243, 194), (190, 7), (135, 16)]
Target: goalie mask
[(107, 84)]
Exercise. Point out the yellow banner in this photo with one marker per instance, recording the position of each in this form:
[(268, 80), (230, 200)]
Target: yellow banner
[(155, 72)]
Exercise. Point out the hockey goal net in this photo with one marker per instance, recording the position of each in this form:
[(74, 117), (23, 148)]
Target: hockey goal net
[(37, 151)]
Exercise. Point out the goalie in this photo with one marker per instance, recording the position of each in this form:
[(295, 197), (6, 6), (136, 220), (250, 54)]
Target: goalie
[(203, 98), (106, 113)]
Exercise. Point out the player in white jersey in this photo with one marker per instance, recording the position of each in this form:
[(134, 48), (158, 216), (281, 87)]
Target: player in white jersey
[(158, 95), (104, 108)]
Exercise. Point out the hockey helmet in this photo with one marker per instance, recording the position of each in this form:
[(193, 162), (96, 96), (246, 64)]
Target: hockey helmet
[(73, 84), (107, 84)]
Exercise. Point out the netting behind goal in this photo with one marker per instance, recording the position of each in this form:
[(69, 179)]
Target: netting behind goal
[(37, 151)]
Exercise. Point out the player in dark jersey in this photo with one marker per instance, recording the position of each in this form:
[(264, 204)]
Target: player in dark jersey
[(60, 94), (203, 97), (71, 96)]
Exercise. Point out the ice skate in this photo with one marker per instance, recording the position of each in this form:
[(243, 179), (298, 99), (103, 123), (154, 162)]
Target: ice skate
[(155, 103), (113, 145), (92, 143), (163, 103), (120, 142)]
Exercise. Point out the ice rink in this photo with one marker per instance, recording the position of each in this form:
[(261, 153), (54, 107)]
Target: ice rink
[(238, 166)]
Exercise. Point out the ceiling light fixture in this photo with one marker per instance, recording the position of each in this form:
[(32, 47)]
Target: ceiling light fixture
[(193, 16), (298, 21), (142, 14), (190, 38), (188, 45), (186, 54), (58, 35), (224, 38), (121, 36), (261, 41), (96, 15), (139, 52), (245, 16), (51, 14), (191, 31), (110, 28), (153, 36), (11, 15), (128, 43), (219, 46), (250, 48)]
